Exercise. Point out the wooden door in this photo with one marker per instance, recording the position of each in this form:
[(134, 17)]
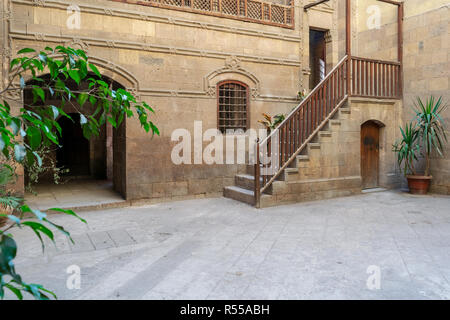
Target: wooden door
[(370, 145)]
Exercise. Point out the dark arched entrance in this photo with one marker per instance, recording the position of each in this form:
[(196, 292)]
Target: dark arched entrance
[(74, 151), (370, 154), (101, 158)]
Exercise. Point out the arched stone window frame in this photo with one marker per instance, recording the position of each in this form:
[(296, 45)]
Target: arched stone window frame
[(232, 70)]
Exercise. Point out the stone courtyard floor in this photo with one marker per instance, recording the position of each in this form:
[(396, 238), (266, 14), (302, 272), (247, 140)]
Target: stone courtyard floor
[(222, 249)]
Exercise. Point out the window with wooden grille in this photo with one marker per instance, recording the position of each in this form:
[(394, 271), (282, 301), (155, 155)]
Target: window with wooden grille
[(232, 106)]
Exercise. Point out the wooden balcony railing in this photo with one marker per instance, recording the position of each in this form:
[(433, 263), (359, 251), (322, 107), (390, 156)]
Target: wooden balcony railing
[(368, 78), (375, 78), (245, 10)]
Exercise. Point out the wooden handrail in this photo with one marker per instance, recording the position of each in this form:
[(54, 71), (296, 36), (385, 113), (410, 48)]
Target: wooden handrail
[(377, 61), (305, 99)]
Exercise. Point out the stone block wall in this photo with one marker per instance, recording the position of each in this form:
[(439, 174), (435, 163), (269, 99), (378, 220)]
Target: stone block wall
[(425, 57), (173, 60), (331, 166)]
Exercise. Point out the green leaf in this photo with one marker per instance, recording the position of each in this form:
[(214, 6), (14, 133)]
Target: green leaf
[(19, 152), (34, 137), (95, 70), (15, 291), (39, 214), (55, 112), (74, 75), (69, 212), (25, 50), (40, 93), (82, 97), (11, 217), (83, 119), (39, 227)]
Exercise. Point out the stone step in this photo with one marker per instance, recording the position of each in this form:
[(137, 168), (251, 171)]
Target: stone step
[(314, 145), (239, 194), (334, 122), (245, 181), (325, 134), (288, 174), (345, 110)]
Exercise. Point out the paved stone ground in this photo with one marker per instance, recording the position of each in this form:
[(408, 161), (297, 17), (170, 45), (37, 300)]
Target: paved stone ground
[(222, 249)]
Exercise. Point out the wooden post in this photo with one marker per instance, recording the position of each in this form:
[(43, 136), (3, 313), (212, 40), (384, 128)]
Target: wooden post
[(400, 45), (348, 43), (257, 177)]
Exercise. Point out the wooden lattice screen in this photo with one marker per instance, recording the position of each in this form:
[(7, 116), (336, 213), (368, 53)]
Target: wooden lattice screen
[(246, 10)]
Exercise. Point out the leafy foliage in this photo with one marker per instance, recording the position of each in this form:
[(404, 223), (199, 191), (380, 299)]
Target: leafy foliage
[(430, 126), (422, 136), (272, 122), (35, 128), (407, 148)]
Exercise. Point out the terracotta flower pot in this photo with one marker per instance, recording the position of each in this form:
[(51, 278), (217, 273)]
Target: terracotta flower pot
[(419, 184)]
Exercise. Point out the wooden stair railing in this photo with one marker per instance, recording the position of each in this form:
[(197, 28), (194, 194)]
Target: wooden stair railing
[(369, 78)]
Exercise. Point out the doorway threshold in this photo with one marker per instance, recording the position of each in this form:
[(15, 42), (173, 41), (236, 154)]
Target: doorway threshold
[(371, 190), (77, 195)]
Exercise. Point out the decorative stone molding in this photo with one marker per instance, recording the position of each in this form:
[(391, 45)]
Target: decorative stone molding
[(131, 45), (232, 70), (77, 43), (287, 35), (40, 3)]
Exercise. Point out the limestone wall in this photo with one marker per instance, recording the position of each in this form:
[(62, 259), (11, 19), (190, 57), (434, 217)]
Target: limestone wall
[(426, 57), (172, 60)]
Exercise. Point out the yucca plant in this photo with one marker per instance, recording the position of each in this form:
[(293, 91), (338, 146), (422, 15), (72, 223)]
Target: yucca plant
[(407, 148), (430, 127)]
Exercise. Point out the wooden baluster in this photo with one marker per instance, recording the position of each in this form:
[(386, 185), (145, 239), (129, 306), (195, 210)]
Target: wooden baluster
[(353, 76), (257, 176), (381, 75), (361, 77), (270, 12), (314, 110), (332, 97)]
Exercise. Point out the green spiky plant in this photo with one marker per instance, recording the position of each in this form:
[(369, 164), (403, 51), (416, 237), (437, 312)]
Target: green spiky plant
[(422, 136), (407, 148), (430, 127)]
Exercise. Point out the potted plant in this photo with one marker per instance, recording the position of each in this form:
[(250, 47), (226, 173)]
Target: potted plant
[(271, 122), (423, 136)]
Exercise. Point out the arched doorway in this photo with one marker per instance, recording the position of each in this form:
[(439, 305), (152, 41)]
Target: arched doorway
[(97, 163), (370, 154)]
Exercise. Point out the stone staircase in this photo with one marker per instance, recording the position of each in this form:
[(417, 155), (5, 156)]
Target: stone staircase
[(316, 173)]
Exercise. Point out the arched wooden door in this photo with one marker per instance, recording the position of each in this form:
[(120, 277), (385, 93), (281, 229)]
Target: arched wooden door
[(370, 149)]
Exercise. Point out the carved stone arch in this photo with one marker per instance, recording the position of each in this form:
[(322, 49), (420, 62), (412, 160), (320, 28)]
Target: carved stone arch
[(112, 71), (231, 71)]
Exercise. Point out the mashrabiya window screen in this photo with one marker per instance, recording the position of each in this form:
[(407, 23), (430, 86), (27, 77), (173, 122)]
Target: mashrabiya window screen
[(233, 106)]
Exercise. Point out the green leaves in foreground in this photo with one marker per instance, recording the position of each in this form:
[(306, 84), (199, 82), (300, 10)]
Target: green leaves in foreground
[(8, 251), (36, 125), (42, 228)]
